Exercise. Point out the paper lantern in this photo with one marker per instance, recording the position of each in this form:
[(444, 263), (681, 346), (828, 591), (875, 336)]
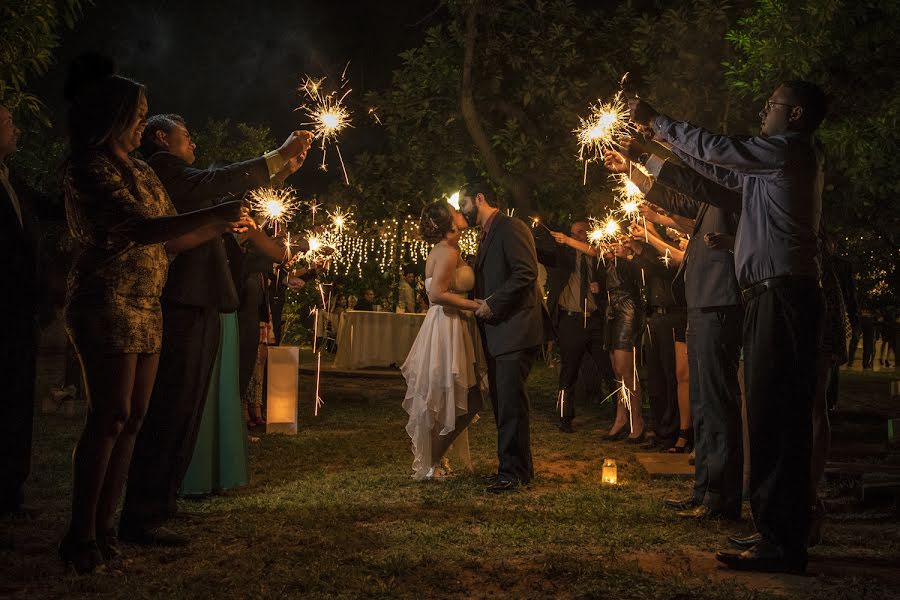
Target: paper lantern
[(609, 472), (281, 392)]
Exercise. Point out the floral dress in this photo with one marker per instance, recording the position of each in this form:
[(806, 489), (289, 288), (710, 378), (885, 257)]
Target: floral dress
[(114, 286)]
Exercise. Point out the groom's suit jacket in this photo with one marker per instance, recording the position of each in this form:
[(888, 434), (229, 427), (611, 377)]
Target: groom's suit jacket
[(506, 276)]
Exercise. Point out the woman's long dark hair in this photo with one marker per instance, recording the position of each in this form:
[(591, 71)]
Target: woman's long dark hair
[(101, 104)]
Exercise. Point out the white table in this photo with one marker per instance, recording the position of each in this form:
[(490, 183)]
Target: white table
[(375, 339)]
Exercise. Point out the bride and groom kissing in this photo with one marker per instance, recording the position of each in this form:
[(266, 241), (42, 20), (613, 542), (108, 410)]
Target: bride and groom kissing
[(479, 339)]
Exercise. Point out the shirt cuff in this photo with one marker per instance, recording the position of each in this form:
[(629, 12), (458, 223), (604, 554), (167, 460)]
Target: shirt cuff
[(655, 164), (643, 181), (274, 162)]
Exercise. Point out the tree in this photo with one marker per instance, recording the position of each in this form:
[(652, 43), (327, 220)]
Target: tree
[(849, 48), (29, 34), (220, 142), (495, 91)]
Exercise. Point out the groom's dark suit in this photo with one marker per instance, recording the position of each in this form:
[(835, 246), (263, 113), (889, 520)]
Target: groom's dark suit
[(506, 276)]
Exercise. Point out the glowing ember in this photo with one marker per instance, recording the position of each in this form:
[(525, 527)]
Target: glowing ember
[(327, 115), (274, 205)]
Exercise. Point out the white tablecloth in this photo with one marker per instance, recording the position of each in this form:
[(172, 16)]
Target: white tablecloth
[(375, 339)]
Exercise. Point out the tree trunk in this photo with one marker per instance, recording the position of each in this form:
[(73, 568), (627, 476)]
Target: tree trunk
[(519, 189)]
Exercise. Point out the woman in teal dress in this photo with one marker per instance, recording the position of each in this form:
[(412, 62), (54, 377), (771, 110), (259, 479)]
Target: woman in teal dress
[(220, 460)]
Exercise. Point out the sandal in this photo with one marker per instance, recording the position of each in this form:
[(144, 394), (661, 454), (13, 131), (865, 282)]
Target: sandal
[(688, 436)]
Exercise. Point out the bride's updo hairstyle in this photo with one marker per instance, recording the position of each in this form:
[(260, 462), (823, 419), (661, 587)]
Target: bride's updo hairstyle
[(436, 221), (101, 104)]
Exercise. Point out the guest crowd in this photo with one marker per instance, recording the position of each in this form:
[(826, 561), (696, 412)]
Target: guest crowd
[(732, 294)]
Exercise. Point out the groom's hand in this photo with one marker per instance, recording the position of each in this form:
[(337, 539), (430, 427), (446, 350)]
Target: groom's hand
[(484, 310)]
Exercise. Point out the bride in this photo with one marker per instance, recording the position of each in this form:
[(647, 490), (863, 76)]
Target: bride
[(445, 371)]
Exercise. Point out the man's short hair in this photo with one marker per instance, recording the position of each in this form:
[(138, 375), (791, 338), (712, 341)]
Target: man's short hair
[(473, 188), (812, 99), (166, 124)]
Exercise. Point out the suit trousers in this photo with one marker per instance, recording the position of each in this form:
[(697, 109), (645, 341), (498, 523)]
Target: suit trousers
[(166, 441), (508, 374), (18, 355), (575, 339), (662, 380), (714, 343), (781, 340)]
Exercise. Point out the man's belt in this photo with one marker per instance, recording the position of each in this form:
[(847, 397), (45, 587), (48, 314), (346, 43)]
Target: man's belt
[(772, 283), (580, 314), (667, 310)]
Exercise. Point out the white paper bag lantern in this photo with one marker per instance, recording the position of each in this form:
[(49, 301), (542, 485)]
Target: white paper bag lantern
[(281, 391)]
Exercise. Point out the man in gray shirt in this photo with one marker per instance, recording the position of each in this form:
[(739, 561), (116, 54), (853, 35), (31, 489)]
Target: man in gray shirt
[(780, 176)]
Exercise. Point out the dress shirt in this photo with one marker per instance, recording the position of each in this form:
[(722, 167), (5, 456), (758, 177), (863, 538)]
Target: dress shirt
[(780, 178), (572, 299)]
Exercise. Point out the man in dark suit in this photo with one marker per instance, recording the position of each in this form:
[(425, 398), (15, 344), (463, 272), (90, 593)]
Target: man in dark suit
[(576, 301), (18, 345), (198, 288), (706, 282), (511, 322)]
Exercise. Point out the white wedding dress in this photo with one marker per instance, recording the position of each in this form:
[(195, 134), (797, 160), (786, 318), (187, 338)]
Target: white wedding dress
[(445, 361)]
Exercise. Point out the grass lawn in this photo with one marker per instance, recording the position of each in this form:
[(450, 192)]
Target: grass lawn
[(332, 512)]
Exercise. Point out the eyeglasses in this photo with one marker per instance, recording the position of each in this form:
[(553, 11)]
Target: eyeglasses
[(770, 104)]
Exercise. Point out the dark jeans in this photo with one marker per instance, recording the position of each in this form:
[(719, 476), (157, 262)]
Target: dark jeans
[(575, 340), (714, 343), (781, 339), (508, 374), (18, 355), (662, 380), (166, 441)]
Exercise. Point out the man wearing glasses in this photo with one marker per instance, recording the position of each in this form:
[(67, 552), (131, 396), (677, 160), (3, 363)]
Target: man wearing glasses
[(780, 176)]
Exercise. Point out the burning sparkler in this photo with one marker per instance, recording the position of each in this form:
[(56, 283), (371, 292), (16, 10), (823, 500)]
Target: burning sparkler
[(340, 219), (327, 115), (535, 221), (607, 122), (276, 206), (666, 258)]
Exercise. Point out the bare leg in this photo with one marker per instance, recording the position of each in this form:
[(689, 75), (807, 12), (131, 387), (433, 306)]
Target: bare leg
[(109, 382), (623, 367), (621, 412), (441, 443), (120, 459), (682, 375)]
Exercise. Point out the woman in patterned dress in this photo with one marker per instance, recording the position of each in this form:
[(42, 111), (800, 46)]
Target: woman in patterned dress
[(120, 214)]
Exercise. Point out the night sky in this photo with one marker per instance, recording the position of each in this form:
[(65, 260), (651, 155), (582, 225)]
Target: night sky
[(243, 60)]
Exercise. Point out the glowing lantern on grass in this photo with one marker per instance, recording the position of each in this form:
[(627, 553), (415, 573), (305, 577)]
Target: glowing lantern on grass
[(281, 391), (609, 473)]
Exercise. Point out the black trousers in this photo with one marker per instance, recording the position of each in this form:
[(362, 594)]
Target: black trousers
[(166, 441), (18, 355), (508, 374), (662, 380), (781, 339), (714, 344), (577, 338)]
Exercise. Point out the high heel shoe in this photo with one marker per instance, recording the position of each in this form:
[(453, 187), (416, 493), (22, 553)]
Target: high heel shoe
[(638, 439), (615, 437), (688, 436), (108, 544), (82, 556)]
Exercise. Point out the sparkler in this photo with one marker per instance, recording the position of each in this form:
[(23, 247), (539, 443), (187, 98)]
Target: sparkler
[(535, 221), (274, 205), (666, 258), (327, 115), (606, 122), (340, 219), (313, 208)]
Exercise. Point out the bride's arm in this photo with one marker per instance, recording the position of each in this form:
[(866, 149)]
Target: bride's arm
[(445, 261)]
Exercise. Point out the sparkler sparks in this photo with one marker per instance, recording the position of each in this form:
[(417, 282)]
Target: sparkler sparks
[(327, 115), (274, 205), (340, 219), (535, 221), (606, 122), (666, 258)]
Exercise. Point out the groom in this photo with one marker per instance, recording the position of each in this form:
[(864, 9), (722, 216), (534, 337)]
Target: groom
[(511, 326)]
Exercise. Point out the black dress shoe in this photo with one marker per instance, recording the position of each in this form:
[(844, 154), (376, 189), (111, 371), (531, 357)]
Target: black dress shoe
[(153, 536), (703, 513), (639, 439), (489, 479), (565, 426), (683, 504), (744, 542), (764, 556), (503, 485)]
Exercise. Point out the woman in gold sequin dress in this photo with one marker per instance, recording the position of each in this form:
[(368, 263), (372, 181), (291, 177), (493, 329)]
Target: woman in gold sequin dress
[(120, 214)]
